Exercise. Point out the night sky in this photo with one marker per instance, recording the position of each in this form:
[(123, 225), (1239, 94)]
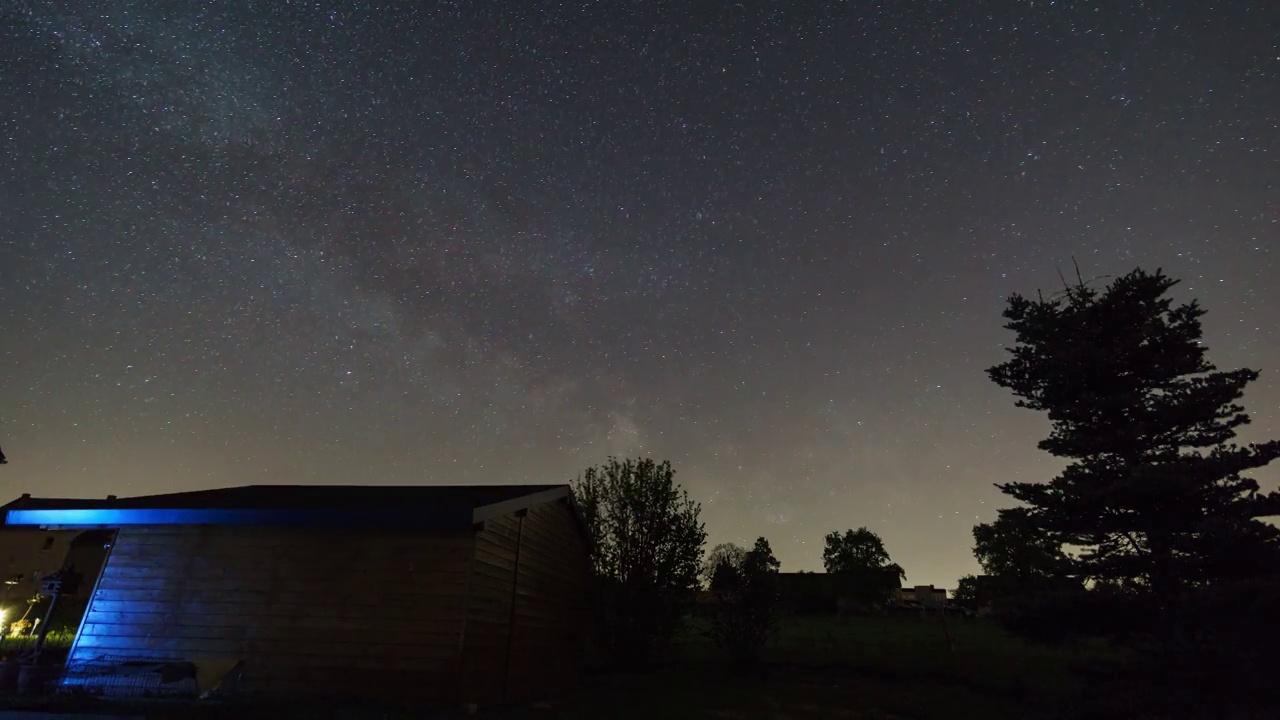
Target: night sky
[(348, 242)]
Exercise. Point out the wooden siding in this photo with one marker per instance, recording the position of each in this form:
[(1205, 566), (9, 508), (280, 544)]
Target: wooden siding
[(315, 611), (551, 614), (531, 651), (489, 610)]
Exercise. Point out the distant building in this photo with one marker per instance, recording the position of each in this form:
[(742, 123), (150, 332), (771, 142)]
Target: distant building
[(920, 596), (799, 593), (807, 593), (817, 593)]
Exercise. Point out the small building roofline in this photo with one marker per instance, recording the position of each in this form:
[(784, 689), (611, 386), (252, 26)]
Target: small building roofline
[(424, 507), (102, 518), (523, 502)]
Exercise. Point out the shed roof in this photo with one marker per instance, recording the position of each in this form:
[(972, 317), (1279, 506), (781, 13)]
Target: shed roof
[(434, 507)]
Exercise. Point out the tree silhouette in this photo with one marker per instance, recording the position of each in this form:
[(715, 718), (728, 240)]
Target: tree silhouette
[(1012, 548), (1153, 495), (721, 554), (966, 593), (746, 586), (1022, 562), (862, 567), (647, 543)]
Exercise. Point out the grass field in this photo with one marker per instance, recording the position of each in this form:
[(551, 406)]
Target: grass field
[(56, 643), (856, 667), (839, 668)]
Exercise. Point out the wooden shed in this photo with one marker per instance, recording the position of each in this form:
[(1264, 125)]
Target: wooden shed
[(467, 594)]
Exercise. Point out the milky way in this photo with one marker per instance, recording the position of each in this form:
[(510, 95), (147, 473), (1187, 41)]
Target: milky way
[(249, 242)]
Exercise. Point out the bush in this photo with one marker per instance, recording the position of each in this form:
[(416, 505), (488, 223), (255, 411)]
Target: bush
[(747, 590), (646, 544), (1210, 654)]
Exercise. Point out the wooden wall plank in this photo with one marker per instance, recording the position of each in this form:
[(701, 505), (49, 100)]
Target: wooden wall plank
[(550, 620), (489, 610), (121, 611), (193, 647), (539, 654), (278, 598), (369, 596), (421, 633)]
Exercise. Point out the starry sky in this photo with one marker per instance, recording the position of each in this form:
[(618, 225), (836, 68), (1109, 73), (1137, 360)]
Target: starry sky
[(454, 242)]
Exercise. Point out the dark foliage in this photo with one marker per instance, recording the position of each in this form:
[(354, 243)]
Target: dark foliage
[(807, 593), (720, 554), (1014, 549), (1153, 496), (647, 544), (746, 589), (1167, 550), (1217, 661), (966, 593), (861, 567), (1057, 610), (1027, 578)]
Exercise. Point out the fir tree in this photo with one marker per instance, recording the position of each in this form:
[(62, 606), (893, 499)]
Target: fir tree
[(1154, 494)]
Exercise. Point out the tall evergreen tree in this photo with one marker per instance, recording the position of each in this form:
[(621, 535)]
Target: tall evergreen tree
[(1154, 494)]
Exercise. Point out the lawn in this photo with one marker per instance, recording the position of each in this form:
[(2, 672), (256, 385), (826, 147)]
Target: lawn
[(853, 668), (56, 644), (856, 667)]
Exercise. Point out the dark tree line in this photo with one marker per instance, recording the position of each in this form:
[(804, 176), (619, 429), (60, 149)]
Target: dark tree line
[(647, 543), (860, 565), (1153, 536), (1153, 533)]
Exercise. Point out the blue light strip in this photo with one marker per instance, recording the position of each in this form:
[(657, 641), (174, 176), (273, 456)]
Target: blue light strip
[(433, 517)]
